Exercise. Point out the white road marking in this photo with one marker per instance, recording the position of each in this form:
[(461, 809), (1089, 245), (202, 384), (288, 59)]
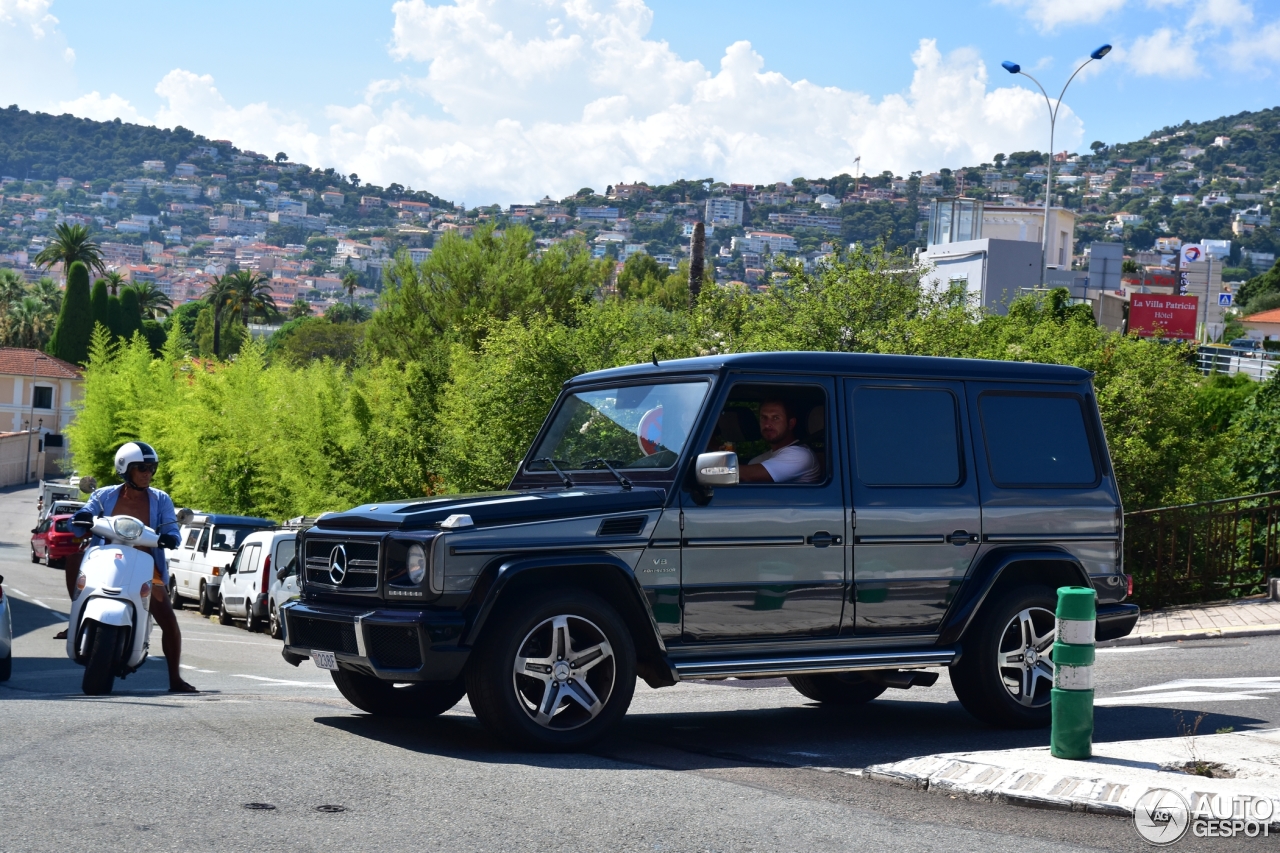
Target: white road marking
[(42, 604), (195, 669), (1197, 696), (281, 682), (17, 591), (1128, 650), (1263, 682), (1197, 690)]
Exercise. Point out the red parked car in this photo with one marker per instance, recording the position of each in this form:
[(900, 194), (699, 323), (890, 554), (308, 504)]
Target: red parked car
[(53, 540)]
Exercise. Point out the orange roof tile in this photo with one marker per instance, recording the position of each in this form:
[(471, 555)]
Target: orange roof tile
[(1270, 316), (17, 361)]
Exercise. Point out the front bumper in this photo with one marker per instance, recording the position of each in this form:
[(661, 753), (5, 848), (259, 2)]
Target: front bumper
[(1115, 621), (396, 645)]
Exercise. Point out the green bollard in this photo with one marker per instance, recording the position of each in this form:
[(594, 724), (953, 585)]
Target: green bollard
[(1071, 700)]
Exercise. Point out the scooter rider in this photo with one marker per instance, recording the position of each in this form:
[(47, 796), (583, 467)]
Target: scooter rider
[(136, 464)]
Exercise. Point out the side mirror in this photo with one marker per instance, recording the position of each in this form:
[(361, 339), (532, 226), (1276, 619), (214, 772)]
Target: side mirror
[(35, 530), (229, 569), (716, 469)]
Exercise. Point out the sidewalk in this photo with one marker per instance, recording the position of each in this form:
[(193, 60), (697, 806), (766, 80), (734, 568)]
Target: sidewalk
[(1111, 782), (1247, 617)]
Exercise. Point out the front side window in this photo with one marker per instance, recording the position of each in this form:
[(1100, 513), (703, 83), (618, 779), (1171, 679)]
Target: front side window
[(778, 431), (634, 426), (229, 538), (906, 436), (1037, 440), (193, 536)]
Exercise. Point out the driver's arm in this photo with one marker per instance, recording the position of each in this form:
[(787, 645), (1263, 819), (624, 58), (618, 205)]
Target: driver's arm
[(754, 474)]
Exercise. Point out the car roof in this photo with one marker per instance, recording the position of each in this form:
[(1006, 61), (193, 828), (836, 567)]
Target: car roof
[(263, 535), (862, 364), (60, 515), (244, 520)]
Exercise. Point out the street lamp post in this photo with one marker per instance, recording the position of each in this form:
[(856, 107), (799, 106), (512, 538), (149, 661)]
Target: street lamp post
[(1015, 68), (26, 473)]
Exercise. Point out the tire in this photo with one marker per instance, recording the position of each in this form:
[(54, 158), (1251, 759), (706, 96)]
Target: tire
[(837, 688), (559, 635), (273, 623), (35, 558), (384, 699), (6, 667), (252, 623), (206, 603), (998, 679), (99, 665), (224, 618), (175, 600)]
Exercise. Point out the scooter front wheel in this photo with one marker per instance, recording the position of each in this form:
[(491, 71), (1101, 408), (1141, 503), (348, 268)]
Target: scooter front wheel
[(99, 665)]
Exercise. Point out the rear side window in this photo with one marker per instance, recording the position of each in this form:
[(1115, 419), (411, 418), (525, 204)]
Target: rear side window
[(906, 436), (62, 525), (284, 552), (1037, 440)]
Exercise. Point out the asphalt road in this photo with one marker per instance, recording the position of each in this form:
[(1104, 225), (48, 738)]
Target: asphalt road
[(704, 766)]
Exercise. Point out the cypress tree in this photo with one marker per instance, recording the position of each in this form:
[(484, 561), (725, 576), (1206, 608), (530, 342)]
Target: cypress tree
[(697, 263), (98, 310), (70, 341), (130, 313), (115, 317)]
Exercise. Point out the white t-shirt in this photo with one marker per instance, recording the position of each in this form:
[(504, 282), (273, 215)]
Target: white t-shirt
[(794, 463)]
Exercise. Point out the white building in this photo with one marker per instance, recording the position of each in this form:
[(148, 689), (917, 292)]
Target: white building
[(724, 211), (761, 241)]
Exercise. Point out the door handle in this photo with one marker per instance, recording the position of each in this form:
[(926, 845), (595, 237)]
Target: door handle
[(962, 537), (822, 539)]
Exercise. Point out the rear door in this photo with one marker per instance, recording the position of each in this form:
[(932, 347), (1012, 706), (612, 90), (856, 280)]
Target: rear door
[(917, 520)]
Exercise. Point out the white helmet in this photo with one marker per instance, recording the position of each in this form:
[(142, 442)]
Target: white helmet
[(134, 451)]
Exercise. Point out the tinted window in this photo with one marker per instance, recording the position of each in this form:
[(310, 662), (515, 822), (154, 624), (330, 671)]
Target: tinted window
[(1037, 440), (229, 538), (906, 437), (62, 525), (285, 551)]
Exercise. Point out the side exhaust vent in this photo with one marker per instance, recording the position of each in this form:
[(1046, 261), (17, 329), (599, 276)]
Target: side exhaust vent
[(630, 525)]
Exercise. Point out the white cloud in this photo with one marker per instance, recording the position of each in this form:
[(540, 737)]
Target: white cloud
[(1164, 53), (1048, 15), (99, 108), (36, 65), (546, 96)]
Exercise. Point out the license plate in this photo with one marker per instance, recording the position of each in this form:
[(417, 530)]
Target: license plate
[(325, 660)]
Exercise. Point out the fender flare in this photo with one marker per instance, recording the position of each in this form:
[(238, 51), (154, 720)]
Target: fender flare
[(503, 571), (988, 572), (108, 611)]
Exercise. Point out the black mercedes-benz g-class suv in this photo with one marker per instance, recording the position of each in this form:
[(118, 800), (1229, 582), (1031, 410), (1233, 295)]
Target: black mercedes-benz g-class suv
[(847, 521)]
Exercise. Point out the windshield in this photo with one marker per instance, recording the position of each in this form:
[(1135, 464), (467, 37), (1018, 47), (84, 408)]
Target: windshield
[(229, 538), (636, 426)]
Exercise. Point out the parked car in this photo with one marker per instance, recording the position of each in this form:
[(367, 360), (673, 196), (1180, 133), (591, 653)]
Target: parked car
[(64, 508), (1247, 346), (246, 581), (208, 544), (6, 636), (849, 521), (283, 589), (53, 540)]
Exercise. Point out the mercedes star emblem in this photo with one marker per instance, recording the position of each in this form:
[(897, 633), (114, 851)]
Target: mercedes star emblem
[(337, 565)]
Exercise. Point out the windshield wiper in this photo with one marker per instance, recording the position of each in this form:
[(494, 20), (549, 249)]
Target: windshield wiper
[(622, 481), (568, 481)]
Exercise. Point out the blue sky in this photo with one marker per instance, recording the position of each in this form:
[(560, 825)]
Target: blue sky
[(504, 100)]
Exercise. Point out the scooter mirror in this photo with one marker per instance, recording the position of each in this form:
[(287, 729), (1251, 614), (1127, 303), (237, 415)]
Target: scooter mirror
[(185, 515), (87, 485)]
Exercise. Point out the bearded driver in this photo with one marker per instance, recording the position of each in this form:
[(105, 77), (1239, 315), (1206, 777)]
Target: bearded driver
[(136, 464), (787, 461)]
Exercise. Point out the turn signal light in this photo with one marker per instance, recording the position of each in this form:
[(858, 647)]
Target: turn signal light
[(146, 589), (215, 571), (80, 582)]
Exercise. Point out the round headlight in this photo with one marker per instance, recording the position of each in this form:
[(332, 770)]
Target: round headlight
[(127, 527), (417, 562)]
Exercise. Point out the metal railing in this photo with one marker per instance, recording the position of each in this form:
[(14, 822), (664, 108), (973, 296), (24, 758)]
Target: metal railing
[(1203, 552), (1258, 367)]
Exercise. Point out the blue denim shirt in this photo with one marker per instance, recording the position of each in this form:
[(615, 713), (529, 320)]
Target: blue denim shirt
[(164, 519)]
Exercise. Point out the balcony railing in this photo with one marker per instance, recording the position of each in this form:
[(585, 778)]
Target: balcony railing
[(1203, 552)]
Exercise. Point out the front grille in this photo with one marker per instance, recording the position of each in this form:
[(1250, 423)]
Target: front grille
[(393, 646), (362, 564), (628, 526), (322, 634)]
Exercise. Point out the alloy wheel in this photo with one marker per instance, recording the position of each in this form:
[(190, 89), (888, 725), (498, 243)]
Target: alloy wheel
[(1025, 656), (564, 672)]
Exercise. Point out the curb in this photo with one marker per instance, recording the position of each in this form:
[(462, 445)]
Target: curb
[(1194, 634)]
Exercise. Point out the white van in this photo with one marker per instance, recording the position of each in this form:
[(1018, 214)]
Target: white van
[(243, 593), (207, 546)]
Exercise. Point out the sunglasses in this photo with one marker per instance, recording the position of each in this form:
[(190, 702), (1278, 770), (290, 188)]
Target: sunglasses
[(145, 467)]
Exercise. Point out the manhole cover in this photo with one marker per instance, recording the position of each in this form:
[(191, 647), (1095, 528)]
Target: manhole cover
[(331, 809), (262, 807)]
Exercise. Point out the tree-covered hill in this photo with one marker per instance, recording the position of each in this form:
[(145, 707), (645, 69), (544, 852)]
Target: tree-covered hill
[(46, 147)]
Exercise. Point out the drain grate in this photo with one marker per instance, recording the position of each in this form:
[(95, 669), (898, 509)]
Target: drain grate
[(260, 807), (329, 808)]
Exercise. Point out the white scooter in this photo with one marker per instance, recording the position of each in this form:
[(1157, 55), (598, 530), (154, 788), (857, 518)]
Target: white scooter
[(109, 630)]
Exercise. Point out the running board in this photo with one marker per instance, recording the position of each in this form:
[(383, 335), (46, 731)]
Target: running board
[(813, 664)]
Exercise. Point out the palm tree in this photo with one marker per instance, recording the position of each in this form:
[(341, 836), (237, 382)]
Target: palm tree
[(115, 280), (12, 286), (29, 323), (48, 292), (350, 282), (152, 301), (251, 297), (219, 298), (71, 243)]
